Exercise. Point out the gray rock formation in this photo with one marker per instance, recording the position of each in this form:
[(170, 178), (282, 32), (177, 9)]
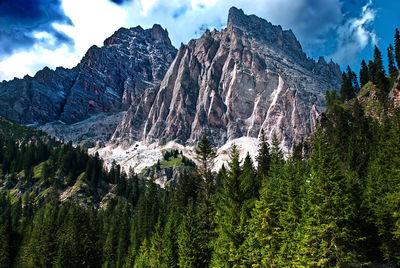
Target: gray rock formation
[(394, 94), (108, 79), (250, 76), (227, 84)]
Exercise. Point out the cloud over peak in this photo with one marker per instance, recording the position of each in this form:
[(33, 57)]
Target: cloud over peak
[(355, 34), (36, 29)]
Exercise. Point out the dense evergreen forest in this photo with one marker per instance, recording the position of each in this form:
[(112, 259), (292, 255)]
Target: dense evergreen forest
[(335, 201)]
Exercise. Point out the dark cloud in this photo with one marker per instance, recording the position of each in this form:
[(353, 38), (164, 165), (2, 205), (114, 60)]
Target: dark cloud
[(20, 19), (179, 12), (118, 2)]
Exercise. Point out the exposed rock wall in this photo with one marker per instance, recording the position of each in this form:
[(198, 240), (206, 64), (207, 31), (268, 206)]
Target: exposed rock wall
[(108, 79), (232, 83)]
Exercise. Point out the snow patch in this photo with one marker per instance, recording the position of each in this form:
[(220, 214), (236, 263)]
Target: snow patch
[(137, 156), (140, 155), (244, 145)]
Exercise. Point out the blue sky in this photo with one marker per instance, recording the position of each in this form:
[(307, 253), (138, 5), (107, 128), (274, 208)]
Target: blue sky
[(39, 33)]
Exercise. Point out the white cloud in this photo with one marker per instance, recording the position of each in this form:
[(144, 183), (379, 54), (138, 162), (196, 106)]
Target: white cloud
[(94, 20), (355, 34), (310, 20), (28, 62)]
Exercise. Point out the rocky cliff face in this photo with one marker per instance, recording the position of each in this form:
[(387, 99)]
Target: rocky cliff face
[(108, 79), (227, 85), (395, 93), (250, 76)]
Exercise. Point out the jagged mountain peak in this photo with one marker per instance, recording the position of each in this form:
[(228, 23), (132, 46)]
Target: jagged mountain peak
[(124, 35), (227, 85), (257, 27), (232, 83), (107, 80)]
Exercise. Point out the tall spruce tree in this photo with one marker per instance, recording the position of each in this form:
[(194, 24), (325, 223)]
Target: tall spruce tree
[(170, 240), (381, 195), (371, 70), (193, 248), (261, 245), (327, 236), (250, 184), (349, 86), (364, 74), (391, 64), (205, 154), (229, 216), (263, 157), (397, 47), (379, 76)]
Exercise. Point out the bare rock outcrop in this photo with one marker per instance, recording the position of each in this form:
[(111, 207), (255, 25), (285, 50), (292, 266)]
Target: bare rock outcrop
[(394, 94), (107, 80), (232, 83)]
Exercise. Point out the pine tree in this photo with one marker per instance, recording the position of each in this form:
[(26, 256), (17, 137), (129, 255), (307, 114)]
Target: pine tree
[(219, 180), (142, 259), (205, 154), (5, 260), (391, 66), (122, 221), (364, 74), (276, 152), (327, 234), (77, 239), (371, 70), (381, 195), (349, 86), (40, 250), (232, 216), (250, 184), (156, 255), (331, 97), (191, 240), (293, 196), (397, 47), (261, 244), (379, 76), (170, 240), (228, 215), (188, 188), (263, 157)]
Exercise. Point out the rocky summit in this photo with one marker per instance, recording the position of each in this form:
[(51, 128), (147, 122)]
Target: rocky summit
[(232, 83), (227, 85), (107, 80)]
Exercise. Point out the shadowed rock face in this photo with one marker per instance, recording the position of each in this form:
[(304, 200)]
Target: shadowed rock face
[(108, 79), (250, 76)]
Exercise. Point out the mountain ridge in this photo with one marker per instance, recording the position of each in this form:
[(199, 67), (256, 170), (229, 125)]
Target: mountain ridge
[(138, 88), (107, 79), (209, 64)]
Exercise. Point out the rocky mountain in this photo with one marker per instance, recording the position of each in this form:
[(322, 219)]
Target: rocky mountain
[(107, 80), (232, 83), (139, 92)]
